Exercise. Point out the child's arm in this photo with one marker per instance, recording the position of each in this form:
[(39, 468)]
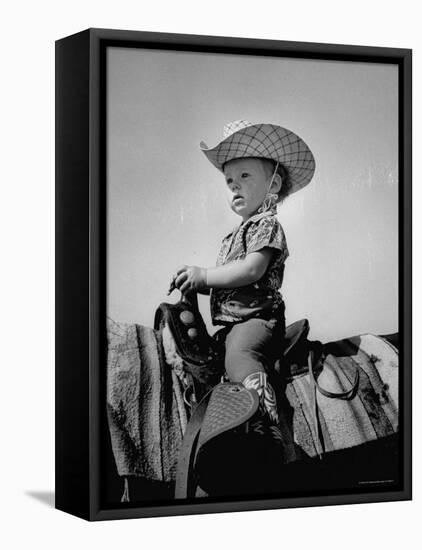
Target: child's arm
[(231, 275), (240, 272)]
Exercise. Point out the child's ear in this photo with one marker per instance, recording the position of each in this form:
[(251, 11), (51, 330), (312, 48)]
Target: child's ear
[(276, 184)]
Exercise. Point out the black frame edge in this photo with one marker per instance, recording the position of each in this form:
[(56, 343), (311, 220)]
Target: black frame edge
[(255, 46), (247, 506), (406, 244), (72, 261), (97, 271), (90, 143)]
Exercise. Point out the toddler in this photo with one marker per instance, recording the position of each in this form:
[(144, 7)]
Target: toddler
[(262, 164)]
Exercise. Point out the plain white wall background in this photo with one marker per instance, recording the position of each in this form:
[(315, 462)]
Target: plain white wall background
[(27, 273)]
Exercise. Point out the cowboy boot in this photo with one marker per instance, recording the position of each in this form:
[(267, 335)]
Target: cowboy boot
[(264, 425), (258, 381)]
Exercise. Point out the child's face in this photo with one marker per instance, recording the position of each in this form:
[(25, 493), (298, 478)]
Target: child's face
[(247, 184)]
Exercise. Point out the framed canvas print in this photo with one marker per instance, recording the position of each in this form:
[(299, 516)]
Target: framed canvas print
[(233, 274)]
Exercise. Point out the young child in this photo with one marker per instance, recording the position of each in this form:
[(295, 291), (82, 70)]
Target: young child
[(262, 164)]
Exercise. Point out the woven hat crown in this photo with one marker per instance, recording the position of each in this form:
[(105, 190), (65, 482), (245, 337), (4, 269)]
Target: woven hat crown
[(232, 127), (242, 139)]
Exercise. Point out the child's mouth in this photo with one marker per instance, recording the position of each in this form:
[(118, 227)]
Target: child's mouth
[(237, 198)]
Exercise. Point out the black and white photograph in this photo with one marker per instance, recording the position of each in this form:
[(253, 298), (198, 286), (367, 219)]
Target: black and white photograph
[(252, 277), (210, 275)]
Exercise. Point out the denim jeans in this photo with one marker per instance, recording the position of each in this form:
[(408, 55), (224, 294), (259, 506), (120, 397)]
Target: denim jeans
[(253, 346)]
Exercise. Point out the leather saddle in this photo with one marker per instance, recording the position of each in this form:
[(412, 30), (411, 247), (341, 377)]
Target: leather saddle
[(221, 413), (204, 355)]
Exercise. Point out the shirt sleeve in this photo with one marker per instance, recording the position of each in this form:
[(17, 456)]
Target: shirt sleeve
[(267, 233)]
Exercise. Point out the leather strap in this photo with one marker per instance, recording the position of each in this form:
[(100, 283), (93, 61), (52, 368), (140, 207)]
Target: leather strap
[(348, 394), (318, 439), (185, 483)]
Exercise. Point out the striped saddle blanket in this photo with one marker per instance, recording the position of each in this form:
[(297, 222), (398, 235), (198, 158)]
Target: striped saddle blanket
[(147, 414)]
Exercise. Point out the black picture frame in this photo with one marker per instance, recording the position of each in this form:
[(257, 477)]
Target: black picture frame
[(81, 434)]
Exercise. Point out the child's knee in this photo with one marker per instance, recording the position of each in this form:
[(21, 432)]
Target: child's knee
[(240, 363)]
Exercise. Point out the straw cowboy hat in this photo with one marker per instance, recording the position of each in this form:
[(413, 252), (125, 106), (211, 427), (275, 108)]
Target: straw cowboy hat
[(243, 139)]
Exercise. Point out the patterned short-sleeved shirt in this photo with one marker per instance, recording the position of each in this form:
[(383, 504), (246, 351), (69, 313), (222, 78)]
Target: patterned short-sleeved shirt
[(261, 299)]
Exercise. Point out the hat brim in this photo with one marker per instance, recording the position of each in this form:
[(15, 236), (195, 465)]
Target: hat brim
[(266, 141)]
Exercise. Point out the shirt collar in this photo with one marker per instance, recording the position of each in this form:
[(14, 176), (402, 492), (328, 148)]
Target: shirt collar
[(253, 219), (260, 215)]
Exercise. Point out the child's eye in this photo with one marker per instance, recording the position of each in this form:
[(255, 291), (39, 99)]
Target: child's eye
[(229, 181), (245, 175)]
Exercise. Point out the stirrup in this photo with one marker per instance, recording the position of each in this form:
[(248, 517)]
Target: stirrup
[(223, 410), (239, 446)]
